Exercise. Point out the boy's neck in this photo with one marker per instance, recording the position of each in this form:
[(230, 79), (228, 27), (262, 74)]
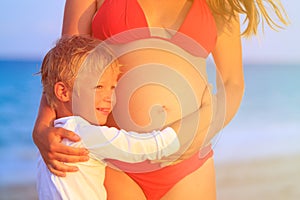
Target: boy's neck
[(63, 110)]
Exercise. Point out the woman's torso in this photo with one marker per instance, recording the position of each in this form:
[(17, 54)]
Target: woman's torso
[(195, 34), (175, 64)]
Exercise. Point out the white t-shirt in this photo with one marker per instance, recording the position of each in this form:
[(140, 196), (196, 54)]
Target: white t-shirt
[(102, 142)]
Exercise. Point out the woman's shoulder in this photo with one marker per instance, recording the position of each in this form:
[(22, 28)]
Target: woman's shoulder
[(99, 3)]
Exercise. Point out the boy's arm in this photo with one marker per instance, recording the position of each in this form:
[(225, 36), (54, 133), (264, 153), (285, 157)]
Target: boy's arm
[(195, 130), (104, 142)]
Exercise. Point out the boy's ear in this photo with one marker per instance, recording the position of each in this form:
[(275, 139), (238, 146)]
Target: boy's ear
[(62, 92)]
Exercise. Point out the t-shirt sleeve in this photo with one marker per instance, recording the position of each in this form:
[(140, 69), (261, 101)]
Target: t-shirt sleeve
[(104, 142)]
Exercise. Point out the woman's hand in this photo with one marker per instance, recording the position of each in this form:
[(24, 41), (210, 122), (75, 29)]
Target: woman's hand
[(48, 140), (55, 154)]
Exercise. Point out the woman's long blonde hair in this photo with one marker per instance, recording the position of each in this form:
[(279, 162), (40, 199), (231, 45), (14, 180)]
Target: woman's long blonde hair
[(255, 11)]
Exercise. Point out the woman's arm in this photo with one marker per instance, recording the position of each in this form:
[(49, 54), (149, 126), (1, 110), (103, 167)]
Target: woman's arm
[(228, 59), (48, 140), (77, 20), (78, 16)]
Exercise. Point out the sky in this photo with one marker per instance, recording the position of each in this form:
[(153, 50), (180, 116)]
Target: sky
[(28, 29)]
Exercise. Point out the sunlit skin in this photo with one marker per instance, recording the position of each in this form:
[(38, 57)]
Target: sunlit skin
[(155, 92), (103, 93), (227, 55), (140, 105), (203, 179)]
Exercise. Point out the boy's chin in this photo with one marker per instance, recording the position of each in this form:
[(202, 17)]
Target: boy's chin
[(98, 121), (101, 120)]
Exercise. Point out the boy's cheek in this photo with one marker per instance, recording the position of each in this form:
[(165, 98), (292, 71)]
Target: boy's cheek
[(113, 100)]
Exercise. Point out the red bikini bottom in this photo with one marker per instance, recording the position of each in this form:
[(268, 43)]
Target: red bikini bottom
[(155, 184)]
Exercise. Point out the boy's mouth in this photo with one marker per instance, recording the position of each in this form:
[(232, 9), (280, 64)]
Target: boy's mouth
[(104, 111)]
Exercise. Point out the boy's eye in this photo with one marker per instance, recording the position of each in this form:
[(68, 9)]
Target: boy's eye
[(99, 87)]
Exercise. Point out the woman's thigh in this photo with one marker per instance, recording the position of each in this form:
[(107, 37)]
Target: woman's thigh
[(120, 186), (200, 184)]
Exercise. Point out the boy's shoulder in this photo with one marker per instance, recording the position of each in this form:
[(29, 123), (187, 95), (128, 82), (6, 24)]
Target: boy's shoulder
[(71, 123)]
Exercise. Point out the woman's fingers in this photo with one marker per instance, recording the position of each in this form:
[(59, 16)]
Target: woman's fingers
[(73, 156), (61, 148), (57, 147), (57, 173), (63, 133), (60, 169), (56, 154)]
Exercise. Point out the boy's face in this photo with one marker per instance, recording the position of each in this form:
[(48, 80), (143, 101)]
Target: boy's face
[(104, 95)]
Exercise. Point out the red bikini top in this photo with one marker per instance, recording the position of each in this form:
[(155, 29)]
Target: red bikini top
[(117, 16)]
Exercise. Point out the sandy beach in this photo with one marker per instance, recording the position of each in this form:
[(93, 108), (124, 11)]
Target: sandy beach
[(18, 192), (275, 178)]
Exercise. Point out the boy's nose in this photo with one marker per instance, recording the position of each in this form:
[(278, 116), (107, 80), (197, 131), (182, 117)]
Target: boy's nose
[(107, 96), (107, 99)]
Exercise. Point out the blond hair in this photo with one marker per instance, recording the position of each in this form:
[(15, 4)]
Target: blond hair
[(255, 11), (63, 62)]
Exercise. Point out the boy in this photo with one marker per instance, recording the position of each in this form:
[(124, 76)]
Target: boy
[(71, 86)]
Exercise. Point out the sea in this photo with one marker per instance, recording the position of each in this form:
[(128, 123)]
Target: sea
[(266, 125)]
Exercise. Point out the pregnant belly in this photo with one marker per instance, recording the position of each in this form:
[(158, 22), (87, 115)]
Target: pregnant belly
[(156, 88)]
